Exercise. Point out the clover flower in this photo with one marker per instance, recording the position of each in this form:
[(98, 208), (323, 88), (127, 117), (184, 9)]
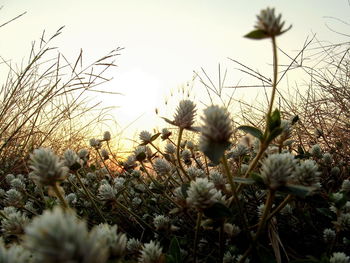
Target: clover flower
[(335, 171), (145, 137), (47, 169), (18, 184), (162, 167), (190, 145), (165, 134), (119, 183), (107, 136), (215, 132), (316, 151), (170, 148), (151, 253), (239, 150), (276, 169), (217, 125), (270, 24), (9, 178), (133, 245), (231, 229), (14, 224), (161, 222), (339, 257), (14, 253), (84, 154), (106, 192), (116, 242), (104, 154), (218, 179), (327, 158), (345, 187), (58, 236), (194, 172), (186, 156), (14, 198), (307, 173), (71, 199), (343, 221), (185, 113), (95, 143), (71, 158), (202, 194), (329, 235)]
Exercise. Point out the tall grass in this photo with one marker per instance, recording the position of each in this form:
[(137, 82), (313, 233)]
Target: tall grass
[(45, 103)]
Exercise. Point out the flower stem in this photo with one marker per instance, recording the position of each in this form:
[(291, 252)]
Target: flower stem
[(195, 244), (178, 154), (56, 189)]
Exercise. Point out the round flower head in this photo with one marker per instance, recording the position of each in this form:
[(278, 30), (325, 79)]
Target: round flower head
[(161, 222), (215, 132), (276, 169), (47, 169), (14, 224), (202, 194), (104, 154), (145, 137), (165, 134), (270, 24), (107, 136), (307, 173), (162, 166), (185, 113), (151, 253), (71, 158), (14, 198), (170, 148), (95, 143), (58, 236), (339, 257)]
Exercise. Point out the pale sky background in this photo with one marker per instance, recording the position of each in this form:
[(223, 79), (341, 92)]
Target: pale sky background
[(165, 41)]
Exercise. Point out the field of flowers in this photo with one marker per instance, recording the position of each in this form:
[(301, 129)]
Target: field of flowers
[(279, 193)]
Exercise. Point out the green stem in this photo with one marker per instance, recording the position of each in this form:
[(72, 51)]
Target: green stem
[(195, 244), (55, 188), (178, 154), (275, 72), (90, 197)]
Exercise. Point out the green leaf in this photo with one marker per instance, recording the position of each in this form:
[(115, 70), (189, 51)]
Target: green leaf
[(174, 250), (242, 180), (252, 130), (155, 136), (214, 151), (257, 34), (274, 120), (258, 179), (298, 190), (217, 211)]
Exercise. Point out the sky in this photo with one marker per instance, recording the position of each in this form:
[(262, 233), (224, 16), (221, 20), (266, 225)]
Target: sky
[(164, 43)]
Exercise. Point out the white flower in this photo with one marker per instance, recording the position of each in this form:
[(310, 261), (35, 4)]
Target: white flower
[(269, 23), (307, 173), (47, 169), (151, 253), (161, 222), (276, 169), (95, 143), (107, 136), (339, 257), (145, 137), (329, 235), (162, 167), (185, 113), (202, 194), (58, 236), (71, 158)]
